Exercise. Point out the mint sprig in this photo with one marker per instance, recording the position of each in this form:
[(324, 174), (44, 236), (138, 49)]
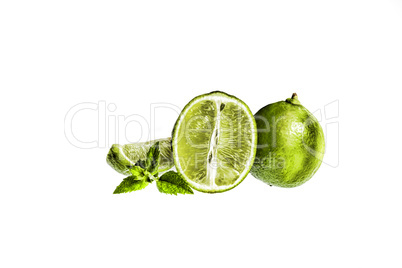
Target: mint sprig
[(145, 172)]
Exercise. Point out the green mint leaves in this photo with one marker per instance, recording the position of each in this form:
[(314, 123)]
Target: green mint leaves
[(173, 183), (145, 172), (152, 162), (130, 184)]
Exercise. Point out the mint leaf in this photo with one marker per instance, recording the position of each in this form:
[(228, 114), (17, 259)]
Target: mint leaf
[(130, 184), (152, 161), (173, 183), (139, 163), (137, 172)]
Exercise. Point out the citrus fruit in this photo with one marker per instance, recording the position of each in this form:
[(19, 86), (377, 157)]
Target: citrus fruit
[(290, 144), (120, 157), (214, 142)]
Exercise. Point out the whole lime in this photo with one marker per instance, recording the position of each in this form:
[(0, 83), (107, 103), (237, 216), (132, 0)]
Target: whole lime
[(290, 146)]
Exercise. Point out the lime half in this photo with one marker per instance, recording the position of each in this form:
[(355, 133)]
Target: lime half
[(214, 142)]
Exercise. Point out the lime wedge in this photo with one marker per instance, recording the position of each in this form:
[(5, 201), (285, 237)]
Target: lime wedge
[(214, 142), (122, 156)]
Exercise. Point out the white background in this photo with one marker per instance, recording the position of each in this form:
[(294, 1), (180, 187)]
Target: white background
[(56, 202)]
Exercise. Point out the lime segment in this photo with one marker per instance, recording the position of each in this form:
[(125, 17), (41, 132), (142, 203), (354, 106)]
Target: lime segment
[(122, 156)]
